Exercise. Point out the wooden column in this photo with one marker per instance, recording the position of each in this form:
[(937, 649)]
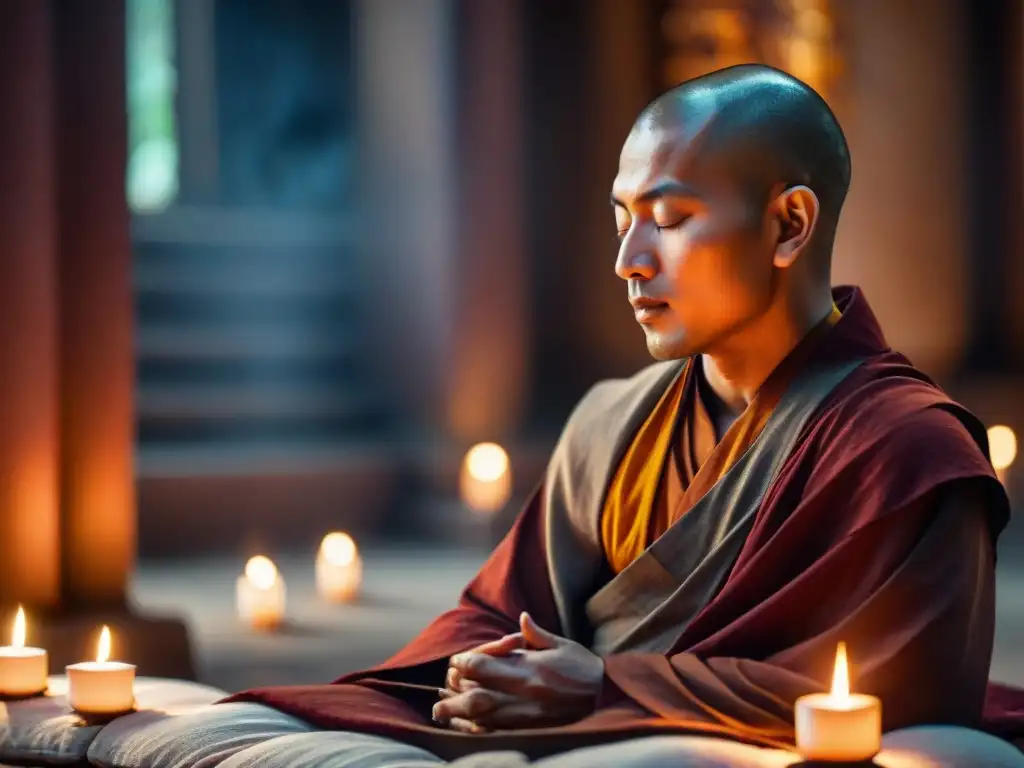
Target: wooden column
[(29, 519), (407, 170), (486, 385), (94, 256), (904, 233)]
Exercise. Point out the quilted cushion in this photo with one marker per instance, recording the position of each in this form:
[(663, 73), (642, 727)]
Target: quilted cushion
[(43, 731), (254, 736), (202, 738)]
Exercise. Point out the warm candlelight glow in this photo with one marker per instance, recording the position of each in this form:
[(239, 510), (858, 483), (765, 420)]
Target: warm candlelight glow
[(18, 635), (260, 594), (486, 462), (101, 687), (486, 479), (1002, 445), (339, 570), (103, 647), (261, 572), (23, 670), (338, 548), (839, 725), (841, 675)]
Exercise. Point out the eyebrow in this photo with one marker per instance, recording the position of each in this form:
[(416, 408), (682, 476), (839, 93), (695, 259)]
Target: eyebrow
[(665, 189)]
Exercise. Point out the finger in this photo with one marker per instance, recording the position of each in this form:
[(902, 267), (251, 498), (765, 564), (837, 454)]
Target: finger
[(469, 705), (536, 637), (502, 673), (521, 713), (465, 726), (502, 645), (457, 683)]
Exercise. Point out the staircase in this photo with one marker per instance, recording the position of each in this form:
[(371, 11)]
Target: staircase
[(251, 368)]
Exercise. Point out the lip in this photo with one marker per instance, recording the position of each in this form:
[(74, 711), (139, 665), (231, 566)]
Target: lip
[(647, 310)]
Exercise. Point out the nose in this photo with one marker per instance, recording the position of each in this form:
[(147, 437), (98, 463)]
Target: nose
[(635, 262)]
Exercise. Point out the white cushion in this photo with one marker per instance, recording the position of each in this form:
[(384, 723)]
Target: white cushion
[(43, 731), (202, 738)]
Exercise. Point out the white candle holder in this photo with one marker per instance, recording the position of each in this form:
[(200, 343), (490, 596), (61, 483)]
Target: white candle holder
[(260, 595), (101, 687), (839, 726), (485, 478), (23, 669), (339, 569)]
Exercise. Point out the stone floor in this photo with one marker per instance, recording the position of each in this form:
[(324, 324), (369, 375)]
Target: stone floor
[(404, 590)]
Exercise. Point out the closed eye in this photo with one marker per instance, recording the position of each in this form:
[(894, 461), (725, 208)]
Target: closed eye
[(673, 225)]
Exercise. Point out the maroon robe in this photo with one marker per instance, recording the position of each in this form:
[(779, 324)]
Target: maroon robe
[(857, 538)]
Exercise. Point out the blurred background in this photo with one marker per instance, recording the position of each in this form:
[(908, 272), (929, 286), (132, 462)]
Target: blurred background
[(273, 267)]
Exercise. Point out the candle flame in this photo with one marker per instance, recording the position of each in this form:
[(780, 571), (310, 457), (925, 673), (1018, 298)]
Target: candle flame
[(261, 572), (18, 635), (338, 548), (103, 649), (841, 674)]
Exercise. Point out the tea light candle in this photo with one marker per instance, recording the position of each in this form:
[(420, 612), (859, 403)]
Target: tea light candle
[(260, 594), (339, 569), (23, 670), (839, 726), (101, 687), (485, 480)]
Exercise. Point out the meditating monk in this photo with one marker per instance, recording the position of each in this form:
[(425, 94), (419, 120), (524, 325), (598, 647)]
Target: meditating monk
[(710, 529)]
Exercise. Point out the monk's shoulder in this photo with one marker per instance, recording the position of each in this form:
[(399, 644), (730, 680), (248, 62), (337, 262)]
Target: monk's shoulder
[(613, 396), (607, 406), (892, 420)]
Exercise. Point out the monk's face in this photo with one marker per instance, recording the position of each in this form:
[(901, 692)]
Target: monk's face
[(695, 248)]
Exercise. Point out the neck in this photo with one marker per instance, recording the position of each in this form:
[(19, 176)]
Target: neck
[(737, 368)]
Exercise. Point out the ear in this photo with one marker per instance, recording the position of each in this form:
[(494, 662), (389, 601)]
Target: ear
[(796, 209)]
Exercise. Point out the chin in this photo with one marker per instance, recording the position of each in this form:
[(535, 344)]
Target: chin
[(662, 346)]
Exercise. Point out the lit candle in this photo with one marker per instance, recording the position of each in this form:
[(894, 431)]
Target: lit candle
[(339, 569), (839, 726), (1002, 447), (260, 594), (101, 687), (23, 670), (485, 480)]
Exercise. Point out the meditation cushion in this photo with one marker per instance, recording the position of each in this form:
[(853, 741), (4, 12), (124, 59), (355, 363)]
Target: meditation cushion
[(175, 726)]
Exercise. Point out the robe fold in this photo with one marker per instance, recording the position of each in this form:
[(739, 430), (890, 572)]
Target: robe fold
[(865, 510)]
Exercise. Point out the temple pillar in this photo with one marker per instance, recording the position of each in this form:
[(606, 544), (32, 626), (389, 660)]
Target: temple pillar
[(405, 108), (903, 236), (96, 361), (29, 510), (67, 509), (486, 384)]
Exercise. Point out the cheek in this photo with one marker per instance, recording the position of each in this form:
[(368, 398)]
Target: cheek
[(716, 275)]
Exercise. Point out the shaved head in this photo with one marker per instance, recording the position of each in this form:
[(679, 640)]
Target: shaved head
[(765, 127), (726, 202)]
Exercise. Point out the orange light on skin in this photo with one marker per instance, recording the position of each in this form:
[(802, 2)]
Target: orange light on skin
[(23, 670), (339, 570), (101, 687), (1002, 448), (260, 594), (839, 725), (485, 480)]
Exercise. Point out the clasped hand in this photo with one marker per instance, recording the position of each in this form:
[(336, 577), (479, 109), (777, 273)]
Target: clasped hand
[(531, 678)]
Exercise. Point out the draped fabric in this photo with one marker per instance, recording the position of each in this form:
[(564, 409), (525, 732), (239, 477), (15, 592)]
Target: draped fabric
[(877, 527)]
